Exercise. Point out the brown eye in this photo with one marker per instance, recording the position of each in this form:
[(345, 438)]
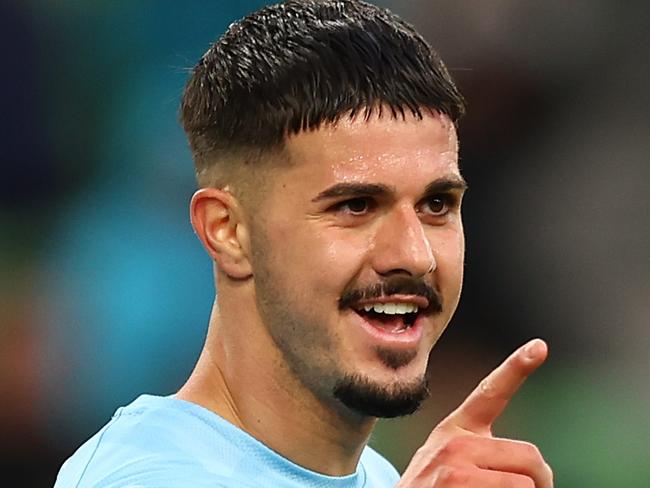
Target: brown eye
[(355, 206), (436, 206)]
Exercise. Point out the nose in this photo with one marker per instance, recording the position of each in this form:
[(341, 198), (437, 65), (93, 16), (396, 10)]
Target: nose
[(401, 245)]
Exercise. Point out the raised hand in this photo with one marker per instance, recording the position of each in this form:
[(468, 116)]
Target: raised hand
[(461, 451)]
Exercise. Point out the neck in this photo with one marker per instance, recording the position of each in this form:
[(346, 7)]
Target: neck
[(239, 379)]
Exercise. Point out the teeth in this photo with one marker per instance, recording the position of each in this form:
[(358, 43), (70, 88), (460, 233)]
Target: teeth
[(392, 308)]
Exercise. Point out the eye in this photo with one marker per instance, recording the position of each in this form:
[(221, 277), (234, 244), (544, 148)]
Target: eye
[(354, 206), (436, 205)]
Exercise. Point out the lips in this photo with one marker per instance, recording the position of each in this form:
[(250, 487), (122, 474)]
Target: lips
[(378, 303), (394, 320), (389, 321)]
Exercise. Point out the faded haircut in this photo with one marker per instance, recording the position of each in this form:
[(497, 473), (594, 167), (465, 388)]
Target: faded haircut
[(297, 65)]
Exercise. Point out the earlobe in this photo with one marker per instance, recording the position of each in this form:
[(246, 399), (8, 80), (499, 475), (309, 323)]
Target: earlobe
[(216, 218)]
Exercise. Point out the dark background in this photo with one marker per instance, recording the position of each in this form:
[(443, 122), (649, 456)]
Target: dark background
[(105, 292)]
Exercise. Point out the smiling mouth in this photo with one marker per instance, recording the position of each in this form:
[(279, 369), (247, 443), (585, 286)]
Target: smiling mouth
[(394, 318)]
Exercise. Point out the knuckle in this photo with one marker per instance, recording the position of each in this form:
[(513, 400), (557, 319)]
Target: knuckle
[(487, 388), (490, 391), (454, 447), (422, 454), (532, 452), (549, 471), (450, 476)]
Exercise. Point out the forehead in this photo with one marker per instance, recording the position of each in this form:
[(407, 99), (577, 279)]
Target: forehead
[(377, 149)]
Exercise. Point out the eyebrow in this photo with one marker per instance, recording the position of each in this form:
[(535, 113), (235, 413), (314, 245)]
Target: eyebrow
[(353, 190), (446, 184), (371, 189)]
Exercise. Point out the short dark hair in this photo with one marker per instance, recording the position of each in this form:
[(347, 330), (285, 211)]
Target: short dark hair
[(296, 65)]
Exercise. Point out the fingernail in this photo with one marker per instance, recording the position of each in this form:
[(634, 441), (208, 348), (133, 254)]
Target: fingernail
[(532, 349)]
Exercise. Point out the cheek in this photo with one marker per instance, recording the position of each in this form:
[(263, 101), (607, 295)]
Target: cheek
[(317, 260), (337, 259), (344, 249)]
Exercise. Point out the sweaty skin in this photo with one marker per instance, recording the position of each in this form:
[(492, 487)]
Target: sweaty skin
[(278, 342)]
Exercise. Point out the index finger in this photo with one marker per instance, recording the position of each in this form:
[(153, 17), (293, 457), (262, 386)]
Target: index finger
[(484, 405)]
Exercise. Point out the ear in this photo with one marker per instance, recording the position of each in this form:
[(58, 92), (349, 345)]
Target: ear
[(216, 216)]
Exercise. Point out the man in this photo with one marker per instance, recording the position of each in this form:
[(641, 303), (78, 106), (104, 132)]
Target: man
[(323, 134)]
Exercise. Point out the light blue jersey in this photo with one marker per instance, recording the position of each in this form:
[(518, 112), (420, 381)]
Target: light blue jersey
[(164, 442)]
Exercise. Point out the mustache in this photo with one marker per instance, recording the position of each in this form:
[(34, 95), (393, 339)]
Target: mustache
[(399, 285)]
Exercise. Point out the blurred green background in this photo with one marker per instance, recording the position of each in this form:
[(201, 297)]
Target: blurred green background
[(105, 292)]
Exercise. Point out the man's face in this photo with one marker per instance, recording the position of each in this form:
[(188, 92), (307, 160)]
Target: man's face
[(342, 248)]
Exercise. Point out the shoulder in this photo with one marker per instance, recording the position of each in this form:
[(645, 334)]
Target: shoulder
[(155, 441), (378, 470)]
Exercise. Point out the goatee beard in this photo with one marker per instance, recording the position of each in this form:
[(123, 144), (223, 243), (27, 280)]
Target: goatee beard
[(364, 397)]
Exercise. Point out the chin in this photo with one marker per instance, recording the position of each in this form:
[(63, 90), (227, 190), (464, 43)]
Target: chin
[(394, 384), (385, 399)]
